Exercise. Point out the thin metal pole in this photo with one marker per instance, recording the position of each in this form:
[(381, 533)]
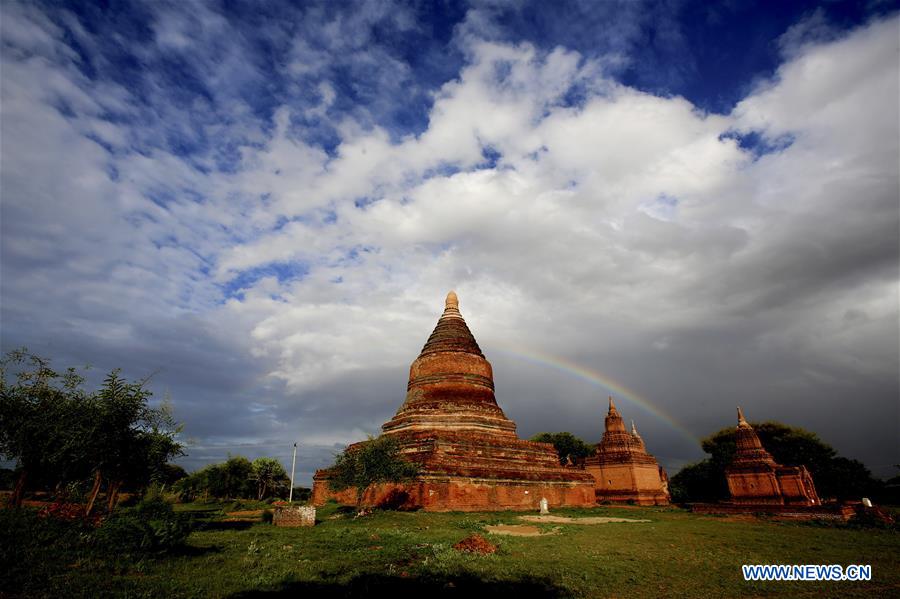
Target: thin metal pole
[(293, 464)]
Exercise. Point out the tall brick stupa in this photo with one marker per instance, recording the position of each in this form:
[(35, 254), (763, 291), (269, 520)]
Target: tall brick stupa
[(469, 455), (623, 471)]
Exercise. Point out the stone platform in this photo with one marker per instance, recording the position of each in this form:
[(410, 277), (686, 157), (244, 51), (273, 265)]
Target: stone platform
[(842, 511)]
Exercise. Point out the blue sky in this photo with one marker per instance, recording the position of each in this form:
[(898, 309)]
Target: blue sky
[(266, 203)]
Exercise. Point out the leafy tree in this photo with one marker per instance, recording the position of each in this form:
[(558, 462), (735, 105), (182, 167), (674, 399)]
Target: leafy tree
[(566, 445), (192, 486), (236, 478), (7, 476), (376, 460), (302, 493), (60, 434), (270, 477), (131, 442), (43, 415), (834, 476), (171, 474), (891, 492), (703, 481)]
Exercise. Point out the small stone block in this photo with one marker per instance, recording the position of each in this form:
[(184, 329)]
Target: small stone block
[(294, 515)]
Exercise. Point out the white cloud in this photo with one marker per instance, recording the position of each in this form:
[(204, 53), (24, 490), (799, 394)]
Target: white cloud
[(621, 221)]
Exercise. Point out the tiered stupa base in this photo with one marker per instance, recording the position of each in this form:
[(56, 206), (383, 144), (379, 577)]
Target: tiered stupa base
[(627, 482), (465, 472)]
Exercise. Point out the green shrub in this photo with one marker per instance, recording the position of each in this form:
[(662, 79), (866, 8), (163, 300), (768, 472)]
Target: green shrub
[(154, 508), (34, 548), (872, 518), (124, 532), (150, 526)]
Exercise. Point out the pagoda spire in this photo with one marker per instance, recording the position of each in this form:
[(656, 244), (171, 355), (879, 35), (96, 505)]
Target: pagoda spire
[(748, 447), (451, 306), (451, 332), (614, 421), (636, 437), (612, 407)]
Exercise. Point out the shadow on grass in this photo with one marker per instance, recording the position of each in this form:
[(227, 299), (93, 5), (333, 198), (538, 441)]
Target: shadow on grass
[(377, 585), (224, 525), (188, 551)]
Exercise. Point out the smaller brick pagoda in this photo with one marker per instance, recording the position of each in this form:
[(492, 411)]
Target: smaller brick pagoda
[(755, 478), (622, 468)]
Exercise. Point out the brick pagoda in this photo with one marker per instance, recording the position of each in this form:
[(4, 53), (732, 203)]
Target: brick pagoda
[(755, 478), (622, 468), (469, 455)]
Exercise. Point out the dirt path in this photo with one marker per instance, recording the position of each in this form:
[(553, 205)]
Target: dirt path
[(515, 530), (243, 516), (590, 520)]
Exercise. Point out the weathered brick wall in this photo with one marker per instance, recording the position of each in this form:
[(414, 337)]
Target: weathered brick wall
[(760, 486), (800, 512), (628, 482), (463, 494), (294, 515), (797, 486)]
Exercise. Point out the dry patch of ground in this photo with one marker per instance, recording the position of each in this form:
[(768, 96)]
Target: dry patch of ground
[(244, 516), (516, 530), (475, 544), (591, 520)]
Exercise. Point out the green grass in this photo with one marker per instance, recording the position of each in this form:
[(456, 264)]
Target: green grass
[(678, 554)]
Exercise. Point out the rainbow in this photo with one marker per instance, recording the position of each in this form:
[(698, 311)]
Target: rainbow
[(617, 390)]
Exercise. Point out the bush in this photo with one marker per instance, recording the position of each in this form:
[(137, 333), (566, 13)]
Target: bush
[(302, 494), (873, 517), (34, 548), (370, 462), (154, 507), (123, 532), (151, 526), (567, 445)]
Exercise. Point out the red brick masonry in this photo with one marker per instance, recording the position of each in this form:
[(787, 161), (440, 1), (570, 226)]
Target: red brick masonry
[(294, 515), (800, 512), (755, 478), (469, 455), (623, 471)]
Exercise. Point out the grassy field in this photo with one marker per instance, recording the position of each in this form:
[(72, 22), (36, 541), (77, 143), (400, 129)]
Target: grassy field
[(677, 554)]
